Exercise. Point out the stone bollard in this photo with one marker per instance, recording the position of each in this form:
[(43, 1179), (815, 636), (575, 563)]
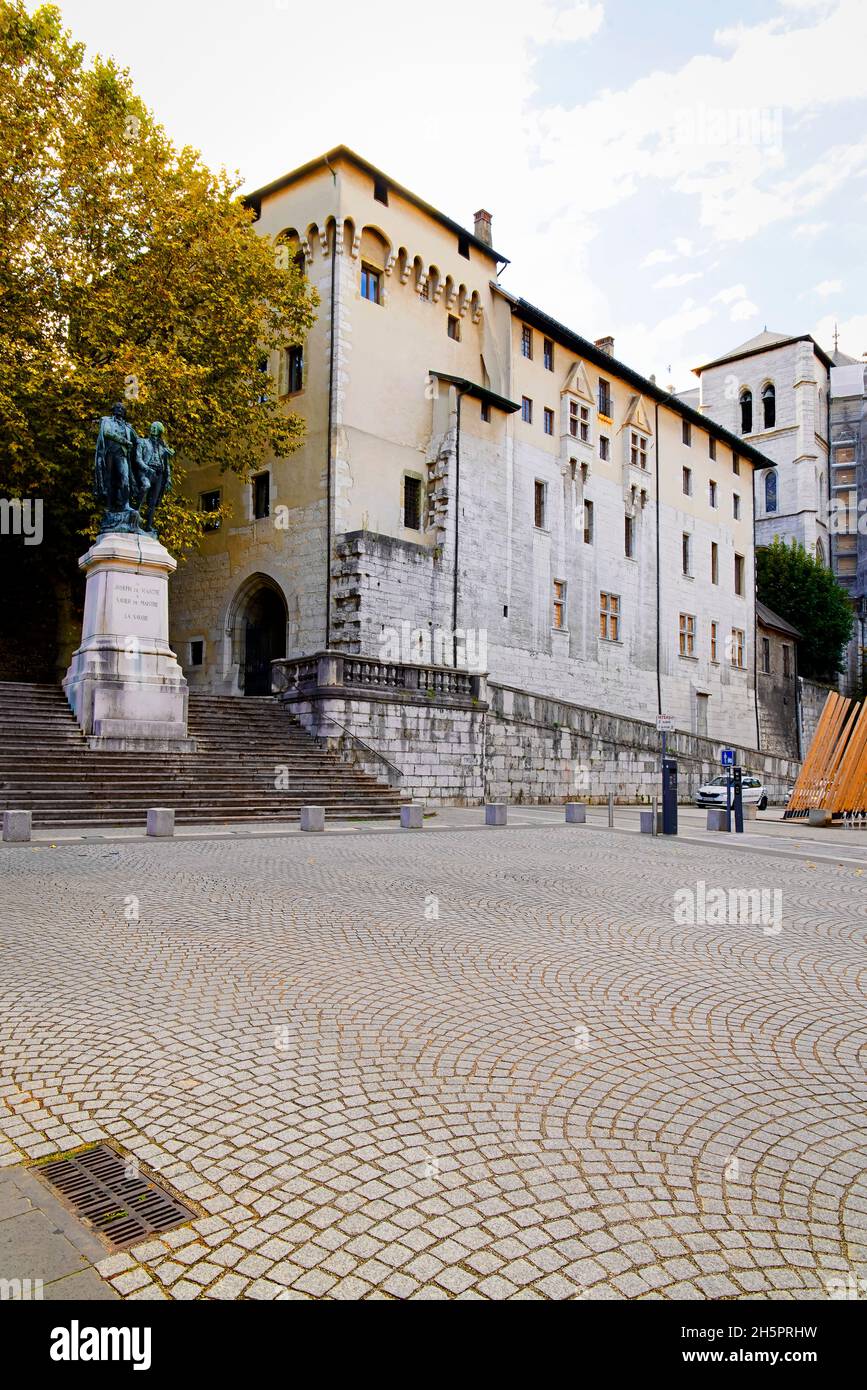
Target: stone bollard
[(645, 819), (716, 818), (576, 813), (312, 817), (412, 816), (161, 821), (16, 827), (819, 816), (495, 813), (751, 812)]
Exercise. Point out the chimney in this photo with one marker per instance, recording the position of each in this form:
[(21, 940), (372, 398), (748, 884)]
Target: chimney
[(482, 221), (606, 345)]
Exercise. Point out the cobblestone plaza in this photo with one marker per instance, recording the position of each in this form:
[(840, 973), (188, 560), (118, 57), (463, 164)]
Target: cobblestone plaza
[(475, 1064)]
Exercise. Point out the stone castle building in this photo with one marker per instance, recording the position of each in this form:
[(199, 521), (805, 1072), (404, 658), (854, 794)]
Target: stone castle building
[(805, 410), (479, 487)]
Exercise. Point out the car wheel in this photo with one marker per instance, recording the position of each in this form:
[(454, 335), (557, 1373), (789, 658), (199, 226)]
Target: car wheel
[(763, 804)]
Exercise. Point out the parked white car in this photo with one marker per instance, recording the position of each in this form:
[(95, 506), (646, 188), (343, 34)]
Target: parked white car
[(713, 793)]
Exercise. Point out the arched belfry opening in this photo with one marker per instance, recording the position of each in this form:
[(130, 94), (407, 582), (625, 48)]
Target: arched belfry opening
[(258, 631)]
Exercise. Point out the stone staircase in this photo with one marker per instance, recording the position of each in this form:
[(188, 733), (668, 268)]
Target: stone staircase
[(242, 743)]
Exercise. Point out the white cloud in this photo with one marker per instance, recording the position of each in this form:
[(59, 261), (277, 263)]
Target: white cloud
[(852, 333), (673, 282), (826, 288), (810, 229), (580, 20), (733, 292), (744, 309)]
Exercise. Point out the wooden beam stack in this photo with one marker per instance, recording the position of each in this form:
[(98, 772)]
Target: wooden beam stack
[(833, 776)]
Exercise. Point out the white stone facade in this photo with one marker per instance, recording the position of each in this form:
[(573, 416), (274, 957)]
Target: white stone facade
[(429, 386)]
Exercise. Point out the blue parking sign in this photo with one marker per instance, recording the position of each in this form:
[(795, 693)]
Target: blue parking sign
[(728, 757)]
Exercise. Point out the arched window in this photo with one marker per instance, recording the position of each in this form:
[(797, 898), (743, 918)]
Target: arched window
[(771, 490), (769, 406), (820, 552), (746, 412)]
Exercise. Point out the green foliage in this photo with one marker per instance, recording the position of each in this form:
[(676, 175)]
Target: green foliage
[(128, 271), (806, 594)]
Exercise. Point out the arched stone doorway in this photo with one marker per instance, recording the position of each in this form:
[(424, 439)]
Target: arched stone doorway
[(258, 633)]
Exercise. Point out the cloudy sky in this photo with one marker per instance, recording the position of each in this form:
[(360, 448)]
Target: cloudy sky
[(677, 173)]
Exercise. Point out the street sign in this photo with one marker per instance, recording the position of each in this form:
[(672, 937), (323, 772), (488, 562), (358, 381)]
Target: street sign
[(665, 723), (728, 757)]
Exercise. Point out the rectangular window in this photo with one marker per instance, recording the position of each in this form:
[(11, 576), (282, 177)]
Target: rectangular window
[(629, 537), (485, 410), (548, 354), (637, 450), (454, 328), (526, 341), (605, 407), (371, 284), (294, 370), (711, 446), (711, 493), (261, 495), (737, 647), (766, 655), (736, 464), (210, 502), (687, 634), (687, 482), (526, 410), (549, 421), (714, 631), (739, 575), (539, 504), (604, 446), (687, 432), (588, 523), (714, 563), (686, 552), (412, 503), (380, 191), (609, 617), (787, 659), (579, 421), (736, 506), (559, 617), (197, 652)]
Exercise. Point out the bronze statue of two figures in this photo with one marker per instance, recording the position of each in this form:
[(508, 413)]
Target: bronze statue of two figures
[(131, 474)]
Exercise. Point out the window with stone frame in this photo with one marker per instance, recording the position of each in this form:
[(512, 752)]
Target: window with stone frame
[(558, 620), (412, 502), (609, 617), (737, 647), (540, 504), (637, 449), (687, 634)]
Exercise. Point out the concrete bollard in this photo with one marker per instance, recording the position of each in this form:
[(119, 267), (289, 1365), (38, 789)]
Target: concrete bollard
[(495, 813), (819, 816), (16, 827), (576, 813), (161, 821), (751, 812), (312, 817), (716, 818), (412, 816), (645, 820)]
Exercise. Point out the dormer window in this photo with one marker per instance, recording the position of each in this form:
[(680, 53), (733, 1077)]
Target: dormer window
[(579, 421)]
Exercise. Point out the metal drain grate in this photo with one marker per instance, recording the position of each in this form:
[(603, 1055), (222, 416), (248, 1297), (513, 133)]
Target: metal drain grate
[(125, 1209)]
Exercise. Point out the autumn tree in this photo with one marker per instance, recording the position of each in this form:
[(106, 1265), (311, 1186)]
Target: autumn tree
[(128, 271)]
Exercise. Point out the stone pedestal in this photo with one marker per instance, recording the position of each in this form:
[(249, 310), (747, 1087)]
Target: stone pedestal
[(124, 684)]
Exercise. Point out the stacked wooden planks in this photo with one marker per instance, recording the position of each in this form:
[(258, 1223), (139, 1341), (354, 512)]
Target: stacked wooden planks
[(834, 773)]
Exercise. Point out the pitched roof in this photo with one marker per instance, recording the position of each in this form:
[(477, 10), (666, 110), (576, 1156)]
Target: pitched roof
[(768, 618), (760, 343)]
